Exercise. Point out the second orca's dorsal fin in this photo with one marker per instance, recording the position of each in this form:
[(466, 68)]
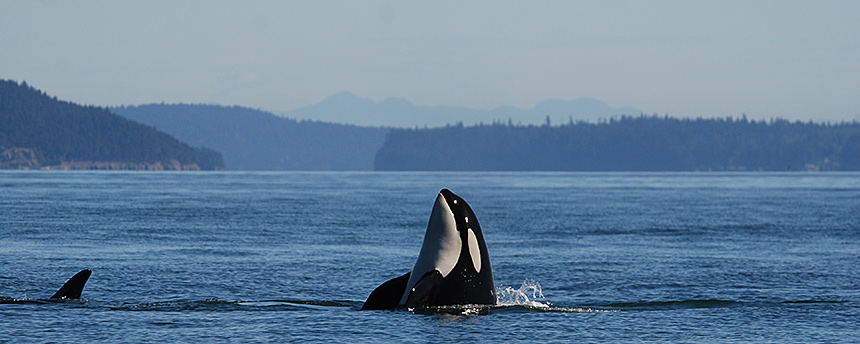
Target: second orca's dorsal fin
[(74, 286)]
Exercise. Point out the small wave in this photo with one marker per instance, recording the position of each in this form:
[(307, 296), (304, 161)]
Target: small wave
[(301, 303), (812, 301), (172, 306), (674, 304), (221, 305)]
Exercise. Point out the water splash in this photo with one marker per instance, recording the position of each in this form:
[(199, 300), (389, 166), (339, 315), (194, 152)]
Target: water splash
[(527, 295), (530, 296)]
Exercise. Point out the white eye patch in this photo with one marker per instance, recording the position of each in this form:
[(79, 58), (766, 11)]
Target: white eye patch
[(474, 250)]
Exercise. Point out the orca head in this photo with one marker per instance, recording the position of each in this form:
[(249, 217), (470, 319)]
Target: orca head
[(453, 242), (472, 244)]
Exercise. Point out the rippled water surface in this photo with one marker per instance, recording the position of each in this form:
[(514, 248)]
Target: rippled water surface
[(290, 257)]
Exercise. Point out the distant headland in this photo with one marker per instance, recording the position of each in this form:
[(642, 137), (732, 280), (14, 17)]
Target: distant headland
[(627, 143), (40, 132)]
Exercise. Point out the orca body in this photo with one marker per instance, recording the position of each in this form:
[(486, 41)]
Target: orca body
[(453, 266), (71, 290)]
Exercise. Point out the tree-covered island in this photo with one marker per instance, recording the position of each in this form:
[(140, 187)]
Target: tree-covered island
[(40, 132)]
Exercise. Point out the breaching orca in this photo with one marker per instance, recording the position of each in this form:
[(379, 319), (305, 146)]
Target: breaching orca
[(453, 267), (71, 290)]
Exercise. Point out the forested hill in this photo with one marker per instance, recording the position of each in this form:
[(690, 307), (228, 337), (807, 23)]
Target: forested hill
[(644, 143), (38, 131), (260, 141)]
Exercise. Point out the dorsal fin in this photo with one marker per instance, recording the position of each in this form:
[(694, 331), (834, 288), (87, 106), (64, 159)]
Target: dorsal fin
[(74, 286)]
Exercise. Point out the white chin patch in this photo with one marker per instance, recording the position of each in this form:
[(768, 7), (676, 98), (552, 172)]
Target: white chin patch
[(474, 250), (441, 248), (442, 244)]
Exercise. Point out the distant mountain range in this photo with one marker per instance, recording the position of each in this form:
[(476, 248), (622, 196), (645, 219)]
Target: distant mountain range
[(345, 107), (254, 140)]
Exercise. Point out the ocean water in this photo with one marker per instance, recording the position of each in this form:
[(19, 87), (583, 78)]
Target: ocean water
[(290, 257)]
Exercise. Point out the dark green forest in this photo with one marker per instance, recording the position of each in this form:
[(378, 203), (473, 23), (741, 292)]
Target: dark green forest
[(39, 131), (628, 143)]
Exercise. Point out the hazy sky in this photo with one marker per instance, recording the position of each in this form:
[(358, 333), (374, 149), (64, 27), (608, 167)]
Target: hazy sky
[(791, 59)]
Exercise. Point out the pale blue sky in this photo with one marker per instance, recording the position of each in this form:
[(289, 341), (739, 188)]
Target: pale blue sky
[(791, 59)]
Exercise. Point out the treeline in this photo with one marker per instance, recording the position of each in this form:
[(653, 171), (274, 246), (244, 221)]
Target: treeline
[(628, 143), (39, 131)]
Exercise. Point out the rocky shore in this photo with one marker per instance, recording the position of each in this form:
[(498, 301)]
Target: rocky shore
[(18, 158)]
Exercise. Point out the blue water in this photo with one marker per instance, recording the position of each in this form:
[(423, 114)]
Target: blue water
[(290, 257)]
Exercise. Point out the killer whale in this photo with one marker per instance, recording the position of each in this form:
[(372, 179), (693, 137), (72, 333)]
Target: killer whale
[(453, 266), (71, 290)]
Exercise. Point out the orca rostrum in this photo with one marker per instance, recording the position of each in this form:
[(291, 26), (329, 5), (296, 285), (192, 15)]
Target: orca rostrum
[(453, 266), (71, 290)]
